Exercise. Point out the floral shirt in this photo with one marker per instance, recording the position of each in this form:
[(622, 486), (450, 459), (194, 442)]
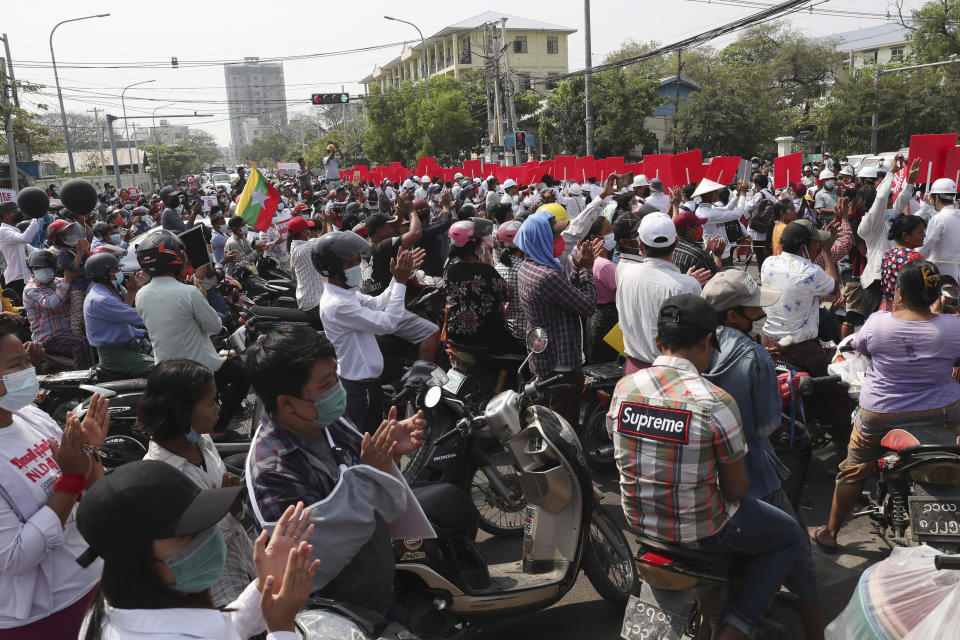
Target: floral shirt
[(893, 261), (475, 297), (794, 318)]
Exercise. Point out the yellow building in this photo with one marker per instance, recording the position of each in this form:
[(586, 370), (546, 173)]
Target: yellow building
[(882, 44), (536, 52)]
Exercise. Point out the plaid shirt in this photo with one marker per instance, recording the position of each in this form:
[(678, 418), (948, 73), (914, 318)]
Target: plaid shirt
[(556, 302), (283, 472), (516, 318), (47, 307), (671, 428), (690, 254)]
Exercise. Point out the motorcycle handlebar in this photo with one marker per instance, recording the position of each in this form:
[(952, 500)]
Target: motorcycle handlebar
[(946, 562), (806, 385)]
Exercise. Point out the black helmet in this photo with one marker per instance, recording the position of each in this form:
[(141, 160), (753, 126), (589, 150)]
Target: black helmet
[(102, 229), (331, 249), (354, 207), (161, 253), (43, 258), (99, 265)]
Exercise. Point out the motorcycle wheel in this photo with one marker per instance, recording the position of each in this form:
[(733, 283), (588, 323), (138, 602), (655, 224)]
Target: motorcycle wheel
[(499, 515), (595, 436), (608, 561)]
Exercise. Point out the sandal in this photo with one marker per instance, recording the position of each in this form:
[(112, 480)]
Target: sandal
[(826, 548)]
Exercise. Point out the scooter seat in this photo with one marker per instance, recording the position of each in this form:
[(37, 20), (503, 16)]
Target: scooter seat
[(446, 505), (485, 354), (285, 314), (106, 375), (129, 384), (903, 439)]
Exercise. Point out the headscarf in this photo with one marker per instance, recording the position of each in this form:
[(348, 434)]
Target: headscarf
[(535, 238)]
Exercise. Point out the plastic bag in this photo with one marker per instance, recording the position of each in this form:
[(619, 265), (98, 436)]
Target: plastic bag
[(851, 367), (901, 598)]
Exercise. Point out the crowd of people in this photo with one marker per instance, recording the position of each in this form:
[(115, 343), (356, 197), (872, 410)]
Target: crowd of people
[(837, 255)]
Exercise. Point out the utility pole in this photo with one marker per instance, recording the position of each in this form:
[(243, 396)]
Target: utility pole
[(24, 148), (676, 100), (486, 82), (496, 93), (113, 149), (587, 79), (8, 123), (96, 119), (509, 90)]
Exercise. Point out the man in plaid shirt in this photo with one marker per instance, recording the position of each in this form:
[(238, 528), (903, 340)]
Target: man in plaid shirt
[(680, 452)]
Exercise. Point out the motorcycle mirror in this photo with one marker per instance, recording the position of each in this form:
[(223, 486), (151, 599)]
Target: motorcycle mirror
[(537, 340), (432, 397)]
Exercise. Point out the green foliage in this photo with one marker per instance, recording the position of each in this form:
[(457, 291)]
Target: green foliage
[(177, 160), (935, 31), (621, 100), (29, 128)]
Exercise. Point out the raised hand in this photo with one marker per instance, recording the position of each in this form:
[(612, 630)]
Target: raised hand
[(407, 435), (69, 452), (701, 275), (585, 256), (609, 186), (406, 262), (280, 603), (914, 171), (96, 422), (719, 246), (378, 450), (291, 530)]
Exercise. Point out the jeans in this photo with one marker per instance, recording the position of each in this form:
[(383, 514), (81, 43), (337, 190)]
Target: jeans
[(772, 539), (364, 404), (802, 579), (215, 298)]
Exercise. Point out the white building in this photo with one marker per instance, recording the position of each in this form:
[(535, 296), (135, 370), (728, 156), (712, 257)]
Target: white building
[(255, 91), (883, 44)]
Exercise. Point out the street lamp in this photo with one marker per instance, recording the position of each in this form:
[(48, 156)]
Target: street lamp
[(126, 128), (156, 138), (63, 113), (876, 91), (423, 60)]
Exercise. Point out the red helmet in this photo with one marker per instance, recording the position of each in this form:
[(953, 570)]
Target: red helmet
[(508, 231), (332, 194)]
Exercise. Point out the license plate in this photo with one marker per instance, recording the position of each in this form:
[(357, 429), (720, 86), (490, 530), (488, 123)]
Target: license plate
[(645, 621), (932, 518), (454, 381)]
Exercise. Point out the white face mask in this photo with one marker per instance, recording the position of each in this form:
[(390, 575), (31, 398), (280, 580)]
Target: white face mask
[(352, 276), (43, 276), (609, 242), (22, 389)]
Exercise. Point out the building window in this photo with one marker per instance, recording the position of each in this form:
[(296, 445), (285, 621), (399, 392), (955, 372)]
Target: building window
[(870, 57), (553, 44), (520, 44), (896, 54), (525, 84), (465, 55)]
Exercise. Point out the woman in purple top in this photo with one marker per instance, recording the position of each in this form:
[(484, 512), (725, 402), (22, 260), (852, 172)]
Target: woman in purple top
[(909, 383)]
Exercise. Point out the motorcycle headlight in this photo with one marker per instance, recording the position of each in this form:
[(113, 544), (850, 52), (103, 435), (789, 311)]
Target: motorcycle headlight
[(941, 472), (319, 623)]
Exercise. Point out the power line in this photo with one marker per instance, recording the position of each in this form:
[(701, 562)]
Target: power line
[(843, 13)]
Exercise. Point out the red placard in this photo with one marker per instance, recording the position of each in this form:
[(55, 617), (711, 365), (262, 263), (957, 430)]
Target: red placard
[(723, 169), (787, 170), (952, 170), (933, 151), (566, 167), (586, 168), (660, 166), (473, 168), (688, 167)]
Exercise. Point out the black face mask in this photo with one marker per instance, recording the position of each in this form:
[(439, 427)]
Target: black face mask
[(173, 202)]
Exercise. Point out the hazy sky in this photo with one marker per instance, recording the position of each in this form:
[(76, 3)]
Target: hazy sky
[(150, 33)]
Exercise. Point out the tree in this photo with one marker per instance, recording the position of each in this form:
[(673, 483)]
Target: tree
[(177, 160), (204, 145), (29, 129), (621, 101), (267, 150), (934, 30), (84, 132)]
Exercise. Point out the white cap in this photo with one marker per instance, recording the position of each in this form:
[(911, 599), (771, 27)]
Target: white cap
[(657, 230), (807, 168), (640, 181), (490, 177), (826, 174), (846, 171), (509, 182), (944, 187), (457, 176), (707, 186), (868, 172), (425, 178), (477, 180), (574, 189)]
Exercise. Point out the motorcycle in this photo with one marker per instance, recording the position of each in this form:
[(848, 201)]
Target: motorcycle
[(444, 586), (599, 382), (323, 619)]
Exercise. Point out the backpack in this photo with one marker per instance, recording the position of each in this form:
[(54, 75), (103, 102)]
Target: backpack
[(734, 232), (761, 216)]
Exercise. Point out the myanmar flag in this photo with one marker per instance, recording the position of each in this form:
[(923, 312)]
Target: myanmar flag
[(258, 202)]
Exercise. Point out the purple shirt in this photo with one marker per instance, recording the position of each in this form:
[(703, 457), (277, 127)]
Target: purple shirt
[(912, 363)]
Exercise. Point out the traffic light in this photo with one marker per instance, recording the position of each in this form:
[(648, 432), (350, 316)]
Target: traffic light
[(330, 98), (521, 139)]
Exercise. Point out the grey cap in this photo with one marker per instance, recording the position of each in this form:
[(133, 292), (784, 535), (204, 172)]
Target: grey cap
[(656, 184), (733, 288)]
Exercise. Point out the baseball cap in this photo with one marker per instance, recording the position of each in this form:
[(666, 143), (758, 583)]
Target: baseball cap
[(734, 288), (7, 207), (376, 221), (298, 224), (166, 192), (802, 230), (656, 184), (657, 230), (625, 226), (143, 501), (688, 219), (690, 310), (508, 183)]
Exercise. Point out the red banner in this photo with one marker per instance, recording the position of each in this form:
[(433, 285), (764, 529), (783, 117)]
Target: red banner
[(660, 166), (787, 170), (723, 169), (933, 151), (688, 167), (952, 170)]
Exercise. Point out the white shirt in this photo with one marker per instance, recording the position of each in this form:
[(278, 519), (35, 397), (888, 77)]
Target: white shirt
[(15, 246), (658, 199), (794, 318), (180, 322), (309, 280), (239, 623), (874, 228), (352, 321), (641, 291), (717, 214), (573, 204), (942, 244), (39, 574), (332, 166)]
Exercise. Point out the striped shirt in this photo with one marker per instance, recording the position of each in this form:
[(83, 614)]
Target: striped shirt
[(671, 429)]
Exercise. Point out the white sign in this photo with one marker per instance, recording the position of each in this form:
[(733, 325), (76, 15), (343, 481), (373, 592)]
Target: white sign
[(8, 195), (134, 193), (288, 166), (282, 219), (209, 201)]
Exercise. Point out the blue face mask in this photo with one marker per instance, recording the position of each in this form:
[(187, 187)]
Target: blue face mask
[(43, 276), (200, 563), (352, 276), (330, 405), (118, 279), (115, 238), (193, 436), (609, 242)]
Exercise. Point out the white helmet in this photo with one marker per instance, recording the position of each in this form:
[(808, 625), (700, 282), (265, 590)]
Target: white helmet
[(508, 183), (847, 170), (868, 172), (574, 189), (826, 174), (944, 187), (408, 184), (640, 181), (457, 176), (425, 178)]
